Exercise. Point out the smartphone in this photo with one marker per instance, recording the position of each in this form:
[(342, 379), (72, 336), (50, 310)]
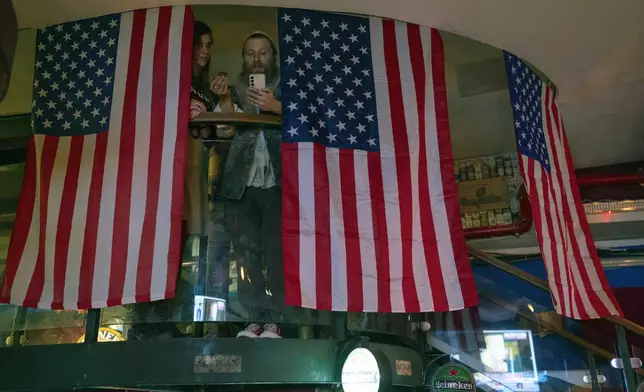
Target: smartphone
[(257, 81)]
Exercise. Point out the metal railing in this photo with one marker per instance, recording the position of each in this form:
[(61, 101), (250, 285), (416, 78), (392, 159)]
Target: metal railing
[(621, 324), (542, 284)]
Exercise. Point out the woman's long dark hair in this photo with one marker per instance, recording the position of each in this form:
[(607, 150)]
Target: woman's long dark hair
[(200, 29)]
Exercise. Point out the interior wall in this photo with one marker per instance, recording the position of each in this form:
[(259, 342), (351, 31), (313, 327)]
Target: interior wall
[(480, 124), (230, 26), (18, 99)]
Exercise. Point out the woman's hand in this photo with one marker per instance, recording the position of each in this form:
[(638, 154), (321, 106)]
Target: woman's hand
[(265, 100), (219, 86), (196, 108)]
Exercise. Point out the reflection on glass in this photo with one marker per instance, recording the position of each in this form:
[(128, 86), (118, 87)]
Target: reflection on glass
[(39, 326), (508, 357), (510, 346)]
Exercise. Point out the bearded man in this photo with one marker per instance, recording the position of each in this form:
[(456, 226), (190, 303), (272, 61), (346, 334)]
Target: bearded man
[(251, 185)]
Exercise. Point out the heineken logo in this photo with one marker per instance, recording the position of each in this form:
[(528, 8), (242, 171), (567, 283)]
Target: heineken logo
[(453, 385), (481, 197), (453, 377), (486, 194)]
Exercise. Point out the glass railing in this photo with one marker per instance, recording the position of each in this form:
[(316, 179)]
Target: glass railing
[(231, 277), (513, 343), (26, 326)]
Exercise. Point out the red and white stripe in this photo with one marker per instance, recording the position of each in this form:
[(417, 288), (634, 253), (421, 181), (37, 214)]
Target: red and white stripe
[(381, 231), (577, 280), (99, 221), (461, 330)]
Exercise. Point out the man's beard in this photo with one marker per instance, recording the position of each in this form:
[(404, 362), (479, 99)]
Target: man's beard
[(271, 71)]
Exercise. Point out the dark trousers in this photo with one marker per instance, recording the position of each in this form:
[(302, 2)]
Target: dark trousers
[(255, 226)]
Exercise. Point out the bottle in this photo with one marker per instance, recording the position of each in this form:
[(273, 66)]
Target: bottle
[(468, 220), (477, 169), (470, 170), (457, 173), (499, 216), (484, 219), (491, 218), (491, 162), (507, 165), (485, 169), (463, 170), (499, 166), (476, 219), (514, 200), (515, 164), (507, 217)]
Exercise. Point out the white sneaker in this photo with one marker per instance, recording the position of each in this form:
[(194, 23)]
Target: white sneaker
[(253, 331), (271, 331)]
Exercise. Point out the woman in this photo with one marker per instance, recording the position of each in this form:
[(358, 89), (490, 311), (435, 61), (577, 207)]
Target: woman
[(205, 96)]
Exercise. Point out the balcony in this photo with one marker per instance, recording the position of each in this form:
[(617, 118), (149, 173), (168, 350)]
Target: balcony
[(511, 341), (231, 277)]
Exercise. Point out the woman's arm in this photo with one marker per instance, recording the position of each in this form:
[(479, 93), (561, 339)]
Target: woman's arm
[(220, 87), (196, 108)]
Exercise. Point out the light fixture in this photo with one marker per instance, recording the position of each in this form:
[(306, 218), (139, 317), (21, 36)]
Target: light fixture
[(617, 363), (360, 372), (611, 206), (600, 378)]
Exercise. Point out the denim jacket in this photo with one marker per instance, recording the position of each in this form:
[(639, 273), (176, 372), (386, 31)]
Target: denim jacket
[(242, 149)]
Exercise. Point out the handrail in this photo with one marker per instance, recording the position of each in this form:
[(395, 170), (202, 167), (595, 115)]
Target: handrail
[(507, 267), (562, 332), (237, 118), (542, 284)]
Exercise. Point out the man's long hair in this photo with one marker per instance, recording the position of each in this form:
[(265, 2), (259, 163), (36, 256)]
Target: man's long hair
[(273, 70)]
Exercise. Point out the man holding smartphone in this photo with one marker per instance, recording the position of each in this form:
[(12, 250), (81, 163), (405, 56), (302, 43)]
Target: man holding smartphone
[(251, 185)]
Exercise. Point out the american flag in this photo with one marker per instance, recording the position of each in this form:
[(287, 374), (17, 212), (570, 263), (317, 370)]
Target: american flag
[(99, 219), (578, 284), (370, 212)]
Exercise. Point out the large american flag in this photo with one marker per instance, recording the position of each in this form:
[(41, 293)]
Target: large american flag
[(99, 219), (577, 280), (371, 220)]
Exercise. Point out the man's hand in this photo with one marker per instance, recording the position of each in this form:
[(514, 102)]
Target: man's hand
[(196, 108), (265, 100)]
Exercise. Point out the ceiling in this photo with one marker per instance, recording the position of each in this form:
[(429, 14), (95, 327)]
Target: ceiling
[(592, 51)]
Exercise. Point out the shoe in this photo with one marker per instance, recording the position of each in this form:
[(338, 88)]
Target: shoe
[(253, 331), (271, 331)]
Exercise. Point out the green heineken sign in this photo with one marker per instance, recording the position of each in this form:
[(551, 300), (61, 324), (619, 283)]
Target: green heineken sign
[(453, 377)]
